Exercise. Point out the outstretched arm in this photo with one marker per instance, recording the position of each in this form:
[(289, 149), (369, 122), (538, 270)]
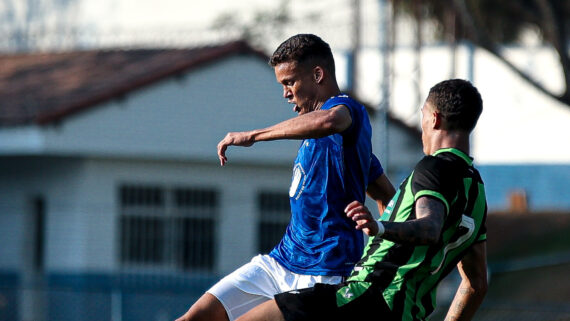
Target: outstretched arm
[(473, 287), (316, 124)]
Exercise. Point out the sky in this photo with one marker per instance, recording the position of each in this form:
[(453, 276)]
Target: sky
[(96, 23), (192, 20), (134, 14)]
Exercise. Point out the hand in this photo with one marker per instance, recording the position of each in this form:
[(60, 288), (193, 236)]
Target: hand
[(363, 218), (237, 139)]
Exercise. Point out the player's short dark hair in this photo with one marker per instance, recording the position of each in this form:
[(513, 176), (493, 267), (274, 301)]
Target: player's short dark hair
[(303, 49), (458, 102)]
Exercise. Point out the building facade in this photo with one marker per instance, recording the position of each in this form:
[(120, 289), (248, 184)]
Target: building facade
[(113, 205)]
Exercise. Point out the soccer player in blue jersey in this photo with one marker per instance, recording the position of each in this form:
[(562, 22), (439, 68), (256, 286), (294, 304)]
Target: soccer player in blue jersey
[(334, 166)]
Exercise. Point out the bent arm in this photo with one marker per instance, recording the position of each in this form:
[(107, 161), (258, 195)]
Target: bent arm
[(473, 286), (316, 124), (381, 190), (424, 229)]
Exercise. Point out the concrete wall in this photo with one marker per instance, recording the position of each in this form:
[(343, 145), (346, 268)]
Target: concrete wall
[(82, 207), (57, 181), (519, 124)]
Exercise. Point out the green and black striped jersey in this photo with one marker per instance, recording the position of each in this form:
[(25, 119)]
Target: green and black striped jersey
[(409, 274)]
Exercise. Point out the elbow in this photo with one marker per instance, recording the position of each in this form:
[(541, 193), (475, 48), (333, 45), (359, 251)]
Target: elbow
[(482, 283), (333, 122), (480, 287), (330, 126)]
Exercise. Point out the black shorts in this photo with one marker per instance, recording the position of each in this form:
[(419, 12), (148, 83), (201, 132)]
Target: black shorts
[(344, 301)]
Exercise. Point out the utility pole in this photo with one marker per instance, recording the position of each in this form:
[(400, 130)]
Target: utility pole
[(352, 75), (417, 10), (385, 34)]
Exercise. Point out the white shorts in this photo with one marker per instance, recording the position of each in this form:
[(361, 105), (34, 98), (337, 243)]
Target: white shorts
[(258, 281)]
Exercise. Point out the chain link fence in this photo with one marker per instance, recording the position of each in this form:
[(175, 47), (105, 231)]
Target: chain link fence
[(164, 298), (101, 297)]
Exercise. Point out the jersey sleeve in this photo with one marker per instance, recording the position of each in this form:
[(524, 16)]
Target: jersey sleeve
[(351, 133), (433, 178), (376, 169)]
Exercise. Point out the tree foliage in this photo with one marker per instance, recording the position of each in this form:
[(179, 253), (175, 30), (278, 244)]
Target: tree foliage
[(491, 24), (25, 24), (266, 25)]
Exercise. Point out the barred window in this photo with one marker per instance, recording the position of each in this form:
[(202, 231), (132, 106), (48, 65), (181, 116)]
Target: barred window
[(168, 227), (274, 215)]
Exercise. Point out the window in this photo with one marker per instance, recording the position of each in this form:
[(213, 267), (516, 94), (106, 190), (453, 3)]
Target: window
[(274, 215), (36, 234), (168, 227)]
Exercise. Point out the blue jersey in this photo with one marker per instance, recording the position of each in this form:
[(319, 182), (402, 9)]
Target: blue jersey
[(376, 169), (328, 174)]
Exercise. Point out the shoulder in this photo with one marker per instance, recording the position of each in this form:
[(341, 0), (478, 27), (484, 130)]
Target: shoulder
[(435, 171), (356, 112), (428, 164), (439, 163), (343, 100)]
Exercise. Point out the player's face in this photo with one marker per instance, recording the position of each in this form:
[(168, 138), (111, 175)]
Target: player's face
[(427, 114), (299, 87)]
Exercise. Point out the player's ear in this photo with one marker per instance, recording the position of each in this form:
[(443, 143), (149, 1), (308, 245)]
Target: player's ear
[(318, 74), (437, 120)]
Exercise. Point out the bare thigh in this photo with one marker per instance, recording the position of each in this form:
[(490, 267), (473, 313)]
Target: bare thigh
[(267, 311), (207, 308)]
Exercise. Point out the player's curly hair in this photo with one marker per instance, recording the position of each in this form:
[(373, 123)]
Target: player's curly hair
[(458, 102), (304, 49)]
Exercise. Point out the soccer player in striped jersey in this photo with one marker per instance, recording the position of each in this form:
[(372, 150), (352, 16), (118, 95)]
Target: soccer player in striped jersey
[(434, 223)]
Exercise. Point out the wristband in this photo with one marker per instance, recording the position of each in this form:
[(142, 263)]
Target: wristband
[(381, 228)]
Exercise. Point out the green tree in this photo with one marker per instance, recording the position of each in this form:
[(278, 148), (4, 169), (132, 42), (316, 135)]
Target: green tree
[(265, 26), (490, 24)]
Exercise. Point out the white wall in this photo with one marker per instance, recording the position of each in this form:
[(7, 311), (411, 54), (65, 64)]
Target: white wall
[(184, 119), (238, 187), (55, 181), (518, 125), (82, 209)]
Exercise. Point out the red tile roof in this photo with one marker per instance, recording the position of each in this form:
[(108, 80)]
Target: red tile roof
[(42, 88)]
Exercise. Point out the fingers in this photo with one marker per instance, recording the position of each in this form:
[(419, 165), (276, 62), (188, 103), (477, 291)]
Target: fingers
[(362, 217), (222, 146), (354, 208), (367, 225), (230, 139), (358, 213)]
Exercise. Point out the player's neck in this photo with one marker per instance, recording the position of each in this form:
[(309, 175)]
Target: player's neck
[(455, 140), (330, 89)]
